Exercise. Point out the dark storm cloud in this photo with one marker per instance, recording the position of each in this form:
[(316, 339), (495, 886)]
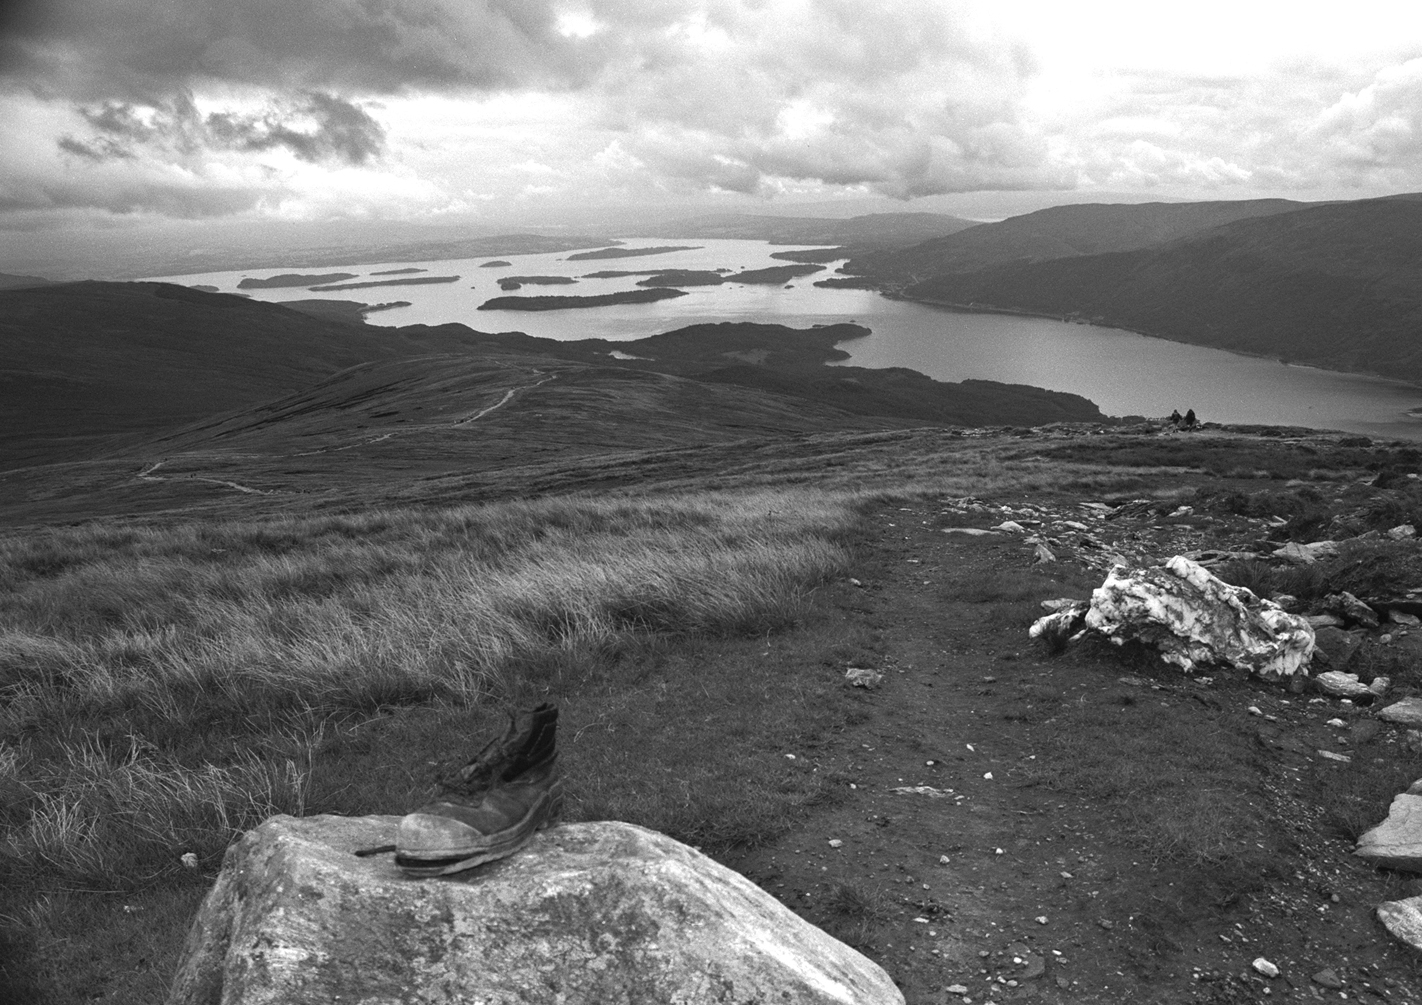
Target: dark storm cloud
[(314, 127), (143, 49)]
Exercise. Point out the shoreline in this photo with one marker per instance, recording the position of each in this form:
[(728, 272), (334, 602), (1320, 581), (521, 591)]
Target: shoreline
[(1106, 323)]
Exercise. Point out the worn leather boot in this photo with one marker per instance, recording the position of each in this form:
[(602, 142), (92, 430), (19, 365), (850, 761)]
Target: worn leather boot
[(493, 805)]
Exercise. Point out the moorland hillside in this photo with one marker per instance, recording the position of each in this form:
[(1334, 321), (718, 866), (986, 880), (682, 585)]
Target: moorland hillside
[(1059, 232), (1333, 286)]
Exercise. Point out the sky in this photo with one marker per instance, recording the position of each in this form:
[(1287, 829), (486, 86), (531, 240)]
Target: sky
[(451, 111)]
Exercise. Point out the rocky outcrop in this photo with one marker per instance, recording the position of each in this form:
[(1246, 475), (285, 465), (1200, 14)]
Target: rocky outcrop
[(600, 912), (1396, 842), (1196, 619)]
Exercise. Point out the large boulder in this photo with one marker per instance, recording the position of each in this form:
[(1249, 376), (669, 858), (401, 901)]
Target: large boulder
[(1396, 843), (1197, 619), (598, 912)]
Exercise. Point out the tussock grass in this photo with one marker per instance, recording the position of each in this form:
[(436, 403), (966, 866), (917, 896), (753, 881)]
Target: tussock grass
[(162, 688)]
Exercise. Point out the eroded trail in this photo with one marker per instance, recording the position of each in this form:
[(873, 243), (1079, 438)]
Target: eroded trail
[(1090, 827)]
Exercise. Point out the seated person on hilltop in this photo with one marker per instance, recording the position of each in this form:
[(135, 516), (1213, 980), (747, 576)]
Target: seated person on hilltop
[(1190, 422)]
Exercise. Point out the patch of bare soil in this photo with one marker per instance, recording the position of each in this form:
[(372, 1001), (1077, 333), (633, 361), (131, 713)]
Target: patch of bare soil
[(1009, 825)]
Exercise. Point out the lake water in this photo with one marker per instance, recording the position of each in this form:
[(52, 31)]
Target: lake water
[(1122, 372)]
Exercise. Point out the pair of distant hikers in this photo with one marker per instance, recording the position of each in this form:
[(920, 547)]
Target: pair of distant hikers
[(1187, 422)]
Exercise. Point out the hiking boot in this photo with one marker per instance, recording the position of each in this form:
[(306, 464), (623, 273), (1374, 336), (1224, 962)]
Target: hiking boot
[(447, 837), (505, 758), (492, 806)]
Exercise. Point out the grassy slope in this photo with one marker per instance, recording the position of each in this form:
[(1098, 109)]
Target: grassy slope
[(1331, 286), (168, 682), (84, 362)]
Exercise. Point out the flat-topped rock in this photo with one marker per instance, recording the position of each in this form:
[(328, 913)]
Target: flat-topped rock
[(1407, 712), (605, 913), (1396, 843)]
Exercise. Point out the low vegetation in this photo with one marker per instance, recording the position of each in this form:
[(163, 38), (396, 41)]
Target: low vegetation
[(124, 650)]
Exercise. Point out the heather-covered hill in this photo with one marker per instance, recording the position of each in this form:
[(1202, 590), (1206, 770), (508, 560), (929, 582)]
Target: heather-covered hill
[(1334, 286), (1060, 232)]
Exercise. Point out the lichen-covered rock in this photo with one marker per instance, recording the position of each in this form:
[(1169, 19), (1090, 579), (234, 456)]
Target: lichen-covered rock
[(1065, 621), (1343, 685), (1396, 842), (600, 912), (1403, 919), (1407, 712), (1194, 619)]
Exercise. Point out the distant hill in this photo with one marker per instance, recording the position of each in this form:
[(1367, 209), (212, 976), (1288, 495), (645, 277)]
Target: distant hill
[(97, 369), (1334, 285), (9, 282), (1060, 232), (82, 363), (871, 231)]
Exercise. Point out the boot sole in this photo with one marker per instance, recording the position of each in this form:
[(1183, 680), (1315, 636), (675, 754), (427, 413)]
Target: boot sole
[(542, 814)]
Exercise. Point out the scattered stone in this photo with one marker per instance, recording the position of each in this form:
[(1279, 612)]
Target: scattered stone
[(1041, 919), (1403, 618), (1324, 620), (922, 790), (1336, 724), (1195, 618), (1403, 918), (1363, 732), (1331, 756), (863, 677), (1351, 608), (1064, 603), (1306, 554), (1108, 925), (1044, 555), (956, 989), (1342, 685), (1414, 741), (1396, 843), (1328, 979), (604, 912), (1335, 646), (1407, 712), (1380, 685), (854, 582), (1263, 966), (1255, 710), (1287, 601), (1034, 966), (970, 531), (1012, 526), (836, 843), (1402, 531)]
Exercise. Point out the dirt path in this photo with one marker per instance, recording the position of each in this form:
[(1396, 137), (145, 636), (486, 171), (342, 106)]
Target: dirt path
[(508, 396), (147, 475), (1078, 828)]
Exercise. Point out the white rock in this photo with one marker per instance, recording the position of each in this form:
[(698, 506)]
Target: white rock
[(599, 912), (1341, 685), (1396, 843), (1336, 724), (1407, 712), (1306, 554), (1403, 918), (863, 677), (1012, 526), (1194, 618), (1402, 531), (1044, 554), (956, 989), (922, 790), (970, 531), (1403, 618), (1265, 967)]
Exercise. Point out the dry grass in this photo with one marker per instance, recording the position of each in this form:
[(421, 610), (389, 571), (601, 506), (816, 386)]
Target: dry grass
[(160, 690)]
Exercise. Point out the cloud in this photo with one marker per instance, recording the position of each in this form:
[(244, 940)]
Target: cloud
[(313, 127), (143, 49), (1378, 127)]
